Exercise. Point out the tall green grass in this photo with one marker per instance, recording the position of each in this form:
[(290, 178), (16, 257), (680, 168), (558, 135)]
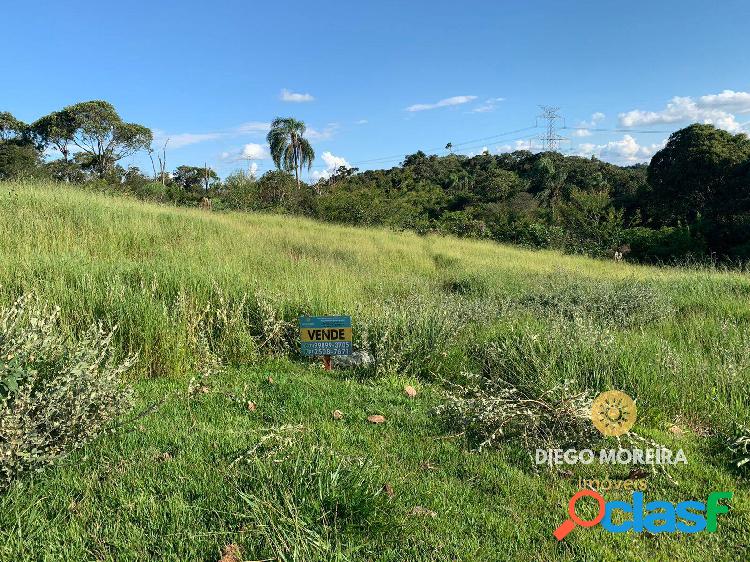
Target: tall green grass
[(181, 283), (188, 288)]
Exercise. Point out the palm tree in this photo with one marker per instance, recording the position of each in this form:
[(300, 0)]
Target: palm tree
[(289, 149)]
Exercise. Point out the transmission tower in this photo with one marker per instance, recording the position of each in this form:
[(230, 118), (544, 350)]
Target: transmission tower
[(551, 140)]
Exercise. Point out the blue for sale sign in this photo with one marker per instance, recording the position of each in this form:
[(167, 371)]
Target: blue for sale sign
[(325, 335)]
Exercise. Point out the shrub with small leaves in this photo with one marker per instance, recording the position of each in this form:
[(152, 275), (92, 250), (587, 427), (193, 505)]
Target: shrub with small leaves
[(277, 335), (491, 410), (57, 393)]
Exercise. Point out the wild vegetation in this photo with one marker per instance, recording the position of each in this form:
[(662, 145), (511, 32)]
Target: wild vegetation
[(691, 203), (55, 395), (231, 440)]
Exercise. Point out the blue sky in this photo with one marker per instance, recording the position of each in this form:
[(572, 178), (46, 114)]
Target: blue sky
[(377, 80)]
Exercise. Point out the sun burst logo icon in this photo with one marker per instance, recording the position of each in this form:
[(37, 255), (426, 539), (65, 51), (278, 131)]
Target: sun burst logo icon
[(613, 413)]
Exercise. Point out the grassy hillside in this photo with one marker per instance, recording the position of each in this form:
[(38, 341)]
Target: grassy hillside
[(188, 288)]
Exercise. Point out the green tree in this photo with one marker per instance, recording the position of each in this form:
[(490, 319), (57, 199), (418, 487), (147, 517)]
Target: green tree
[(290, 150), (103, 136), (193, 179), (342, 173), (65, 170), (11, 128), (414, 159), (135, 179), (18, 156), (274, 187), (56, 129), (547, 180), (240, 191), (592, 226), (693, 174), (18, 160)]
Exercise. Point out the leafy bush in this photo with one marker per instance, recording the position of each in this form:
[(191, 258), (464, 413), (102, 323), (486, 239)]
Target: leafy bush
[(741, 448), (19, 161), (56, 393), (491, 410), (535, 234), (240, 192), (592, 225), (665, 244), (152, 191), (461, 223), (361, 208)]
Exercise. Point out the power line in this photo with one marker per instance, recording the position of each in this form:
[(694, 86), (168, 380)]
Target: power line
[(620, 130), (550, 140), (524, 137), (440, 148), (497, 136), (455, 144)]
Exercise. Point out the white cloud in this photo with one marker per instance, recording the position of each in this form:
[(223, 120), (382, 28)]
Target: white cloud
[(488, 105), (518, 145), (483, 150), (323, 134), (288, 95), (183, 139), (252, 127), (627, 150), (361, 122), (714, 109), (254, 151), (501, 148), (728, 100), (250, 151), (254, 169), (333, 163), (524, 145), (455, 100), (584, 126)]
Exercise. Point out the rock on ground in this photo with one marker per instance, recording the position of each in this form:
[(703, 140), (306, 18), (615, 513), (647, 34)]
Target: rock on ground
[(356, 359)]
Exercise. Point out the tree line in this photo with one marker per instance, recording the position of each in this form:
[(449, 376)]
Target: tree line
[(90, 136), (692, 201)]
